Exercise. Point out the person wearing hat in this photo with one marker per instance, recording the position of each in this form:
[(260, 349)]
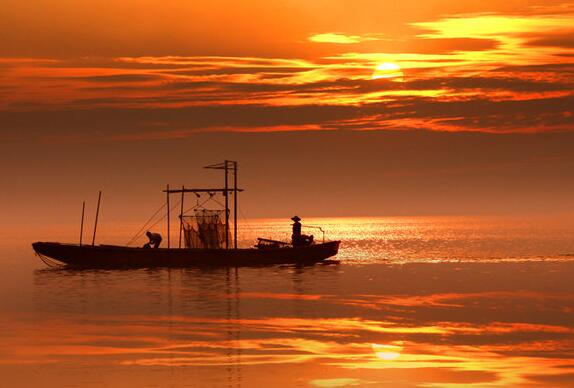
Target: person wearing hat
[(298, 239)]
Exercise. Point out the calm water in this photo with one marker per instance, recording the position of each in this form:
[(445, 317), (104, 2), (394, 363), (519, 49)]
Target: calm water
[(413, 302)]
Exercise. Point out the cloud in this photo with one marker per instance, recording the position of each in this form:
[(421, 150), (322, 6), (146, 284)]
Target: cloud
[(449, 45), (112, 78), (338, 382), (552, 379), (562, 39), (482, 83), (556, 68), (466, 72), (126, 124), (479, 114), (216, 70), (234, 94), (490, 26), (415, 113), (341, 38)]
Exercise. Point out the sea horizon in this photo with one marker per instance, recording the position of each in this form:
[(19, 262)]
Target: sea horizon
[(408, 302)]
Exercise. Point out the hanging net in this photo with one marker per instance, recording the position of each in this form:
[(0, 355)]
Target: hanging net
[(204, 229)]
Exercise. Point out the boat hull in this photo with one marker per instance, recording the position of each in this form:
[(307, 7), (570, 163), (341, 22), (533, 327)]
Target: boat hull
[(111, 256)]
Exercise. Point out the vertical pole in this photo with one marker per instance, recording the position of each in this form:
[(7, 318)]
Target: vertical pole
[(226, 208), (82, 224), (97, 214), (235, 204), (167, 199), (181, 215)]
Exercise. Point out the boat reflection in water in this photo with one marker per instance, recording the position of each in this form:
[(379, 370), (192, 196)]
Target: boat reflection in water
[(322, 326)]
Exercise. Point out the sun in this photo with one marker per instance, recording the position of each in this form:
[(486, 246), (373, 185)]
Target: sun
[(388, 70), (388, 352)]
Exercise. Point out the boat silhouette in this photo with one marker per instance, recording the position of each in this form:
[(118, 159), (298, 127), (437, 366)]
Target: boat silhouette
[(206, 237)]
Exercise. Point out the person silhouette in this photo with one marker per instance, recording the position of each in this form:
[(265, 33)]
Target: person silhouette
[(296, 236), (154, 239), (298, 239)]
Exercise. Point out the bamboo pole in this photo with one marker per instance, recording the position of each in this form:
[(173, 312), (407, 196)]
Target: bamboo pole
[(235, 204), (167, 199), (97, 215), (181, 215), (226, 208), (82, 224)]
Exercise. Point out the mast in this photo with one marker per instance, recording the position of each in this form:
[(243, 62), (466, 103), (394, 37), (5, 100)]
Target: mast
[(226, 206), (97, 214), (167, 199), (235, 204), (181, 214), (82, 224), (226, 166)]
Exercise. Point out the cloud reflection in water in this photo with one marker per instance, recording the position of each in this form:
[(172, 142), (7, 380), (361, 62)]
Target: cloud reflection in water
[(318, 326)]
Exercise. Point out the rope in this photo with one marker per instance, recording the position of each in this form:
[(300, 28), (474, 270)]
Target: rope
[(137, 235), (217, 202), (50, 262), (243, 216), (147, 225), (198, 205)]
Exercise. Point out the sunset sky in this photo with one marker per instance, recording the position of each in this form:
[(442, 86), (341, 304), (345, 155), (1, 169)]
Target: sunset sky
[(332, 107)]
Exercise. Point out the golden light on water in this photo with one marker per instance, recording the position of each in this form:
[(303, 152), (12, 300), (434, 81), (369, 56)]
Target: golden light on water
[(387, 70)]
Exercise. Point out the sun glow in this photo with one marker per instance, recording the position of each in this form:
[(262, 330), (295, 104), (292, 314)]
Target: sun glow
[(388, 352), (387, 70)]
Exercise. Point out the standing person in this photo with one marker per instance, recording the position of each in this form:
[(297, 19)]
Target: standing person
[(154, 239), (298, 239), (296, 236)]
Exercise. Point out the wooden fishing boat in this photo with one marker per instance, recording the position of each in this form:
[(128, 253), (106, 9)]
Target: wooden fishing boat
[(206, 237), (110, 256)]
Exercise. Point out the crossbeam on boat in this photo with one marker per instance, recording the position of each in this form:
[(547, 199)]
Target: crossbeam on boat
[(226, 165), (173, 191)]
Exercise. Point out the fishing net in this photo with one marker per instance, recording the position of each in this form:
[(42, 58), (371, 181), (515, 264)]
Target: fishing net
[(204, 229)]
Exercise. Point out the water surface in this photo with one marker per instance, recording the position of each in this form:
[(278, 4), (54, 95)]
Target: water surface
[(413, 302)]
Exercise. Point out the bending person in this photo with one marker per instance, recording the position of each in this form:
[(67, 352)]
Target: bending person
[(154, 240)]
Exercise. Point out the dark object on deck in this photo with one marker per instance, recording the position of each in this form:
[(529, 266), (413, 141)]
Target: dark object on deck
[(110, 256)]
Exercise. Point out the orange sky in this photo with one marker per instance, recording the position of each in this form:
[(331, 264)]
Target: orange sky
[(127, 71), (456, 61)]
